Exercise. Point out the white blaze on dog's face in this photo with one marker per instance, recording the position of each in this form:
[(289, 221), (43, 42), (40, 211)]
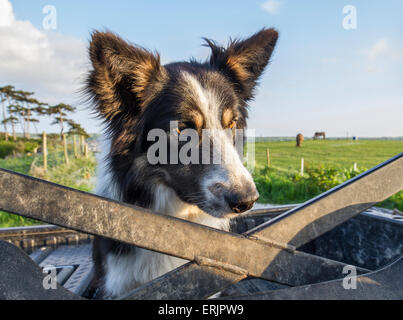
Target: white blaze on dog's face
[(226, 185), (136, 94)]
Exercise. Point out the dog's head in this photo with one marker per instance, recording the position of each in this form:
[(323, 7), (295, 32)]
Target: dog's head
[(140, 99)]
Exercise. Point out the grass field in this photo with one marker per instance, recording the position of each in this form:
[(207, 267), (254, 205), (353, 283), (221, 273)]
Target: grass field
[(327, 164), (78, 174), (339, 154)]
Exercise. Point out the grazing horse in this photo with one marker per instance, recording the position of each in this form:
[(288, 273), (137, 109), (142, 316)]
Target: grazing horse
[(319, 134), (300, 138)]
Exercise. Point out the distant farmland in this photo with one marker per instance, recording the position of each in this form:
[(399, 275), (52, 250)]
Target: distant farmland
[(327, 163), (341, 154)]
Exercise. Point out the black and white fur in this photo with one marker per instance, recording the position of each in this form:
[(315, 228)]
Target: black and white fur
[(134, 93)]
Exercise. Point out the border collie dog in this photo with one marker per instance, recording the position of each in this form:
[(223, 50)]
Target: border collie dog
[(133, 93)]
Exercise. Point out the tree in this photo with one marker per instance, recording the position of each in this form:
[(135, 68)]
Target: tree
[(12, 120), (35, 107), (16, 110), (13, 111), (76, 129), (4, 121), (59, 112), (6, 94), (28, 107), (19, 106)]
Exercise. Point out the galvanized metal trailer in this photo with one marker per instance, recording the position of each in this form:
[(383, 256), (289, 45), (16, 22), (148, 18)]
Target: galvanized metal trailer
[(302, 253)]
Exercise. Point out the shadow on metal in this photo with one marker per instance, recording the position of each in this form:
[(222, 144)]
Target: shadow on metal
[(22, 279), (386, 283)]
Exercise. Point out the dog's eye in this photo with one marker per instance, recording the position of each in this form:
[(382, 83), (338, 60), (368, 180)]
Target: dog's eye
[(185, 125), (232, 124)]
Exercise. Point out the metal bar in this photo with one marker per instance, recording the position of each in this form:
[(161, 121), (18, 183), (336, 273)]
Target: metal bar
[(32, 237), (383, 284), (193, 281), (250, 219), (355, 195), (187, 282), (272, 211), (95, 215), (326, 211), (22, 279)]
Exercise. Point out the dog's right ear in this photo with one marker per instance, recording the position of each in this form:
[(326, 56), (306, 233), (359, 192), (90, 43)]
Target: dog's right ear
[(124, 77)]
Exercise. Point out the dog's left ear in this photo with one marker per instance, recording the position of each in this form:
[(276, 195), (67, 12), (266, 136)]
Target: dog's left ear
[(244, 61)]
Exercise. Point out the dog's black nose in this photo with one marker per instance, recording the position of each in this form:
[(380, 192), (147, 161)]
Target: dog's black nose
[(242, 202)]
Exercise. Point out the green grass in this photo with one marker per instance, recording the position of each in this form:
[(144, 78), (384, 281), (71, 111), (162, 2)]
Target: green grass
[(327, 164), (77, 174), (6, 148), (280, 187), (21, 164), (20, 146), (341, 154)]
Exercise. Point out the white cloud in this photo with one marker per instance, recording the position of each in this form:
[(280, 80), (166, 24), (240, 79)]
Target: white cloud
[(380, 54), (378, 49), (42, 61), (6, 13), (46, 62), (271, 6)]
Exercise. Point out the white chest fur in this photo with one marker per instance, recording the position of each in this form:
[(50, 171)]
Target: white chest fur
[(125, 272)]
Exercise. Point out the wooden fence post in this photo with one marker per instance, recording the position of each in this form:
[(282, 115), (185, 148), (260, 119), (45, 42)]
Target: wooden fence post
[(82, 142), (268, 157), (302, 167), (66, 156), (75, 146), (355, 166), (44, 151)]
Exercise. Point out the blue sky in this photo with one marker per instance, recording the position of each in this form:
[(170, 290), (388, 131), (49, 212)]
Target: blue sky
[(322, 76)]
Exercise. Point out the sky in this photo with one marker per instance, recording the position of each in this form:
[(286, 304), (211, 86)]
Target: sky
[(329, 72)]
